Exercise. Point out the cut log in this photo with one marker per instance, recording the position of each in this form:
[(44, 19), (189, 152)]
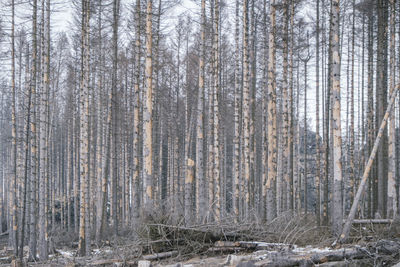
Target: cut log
[(225, 249), (108, 262), (372, 221), (162, 255), (227, 244), (144, 264)]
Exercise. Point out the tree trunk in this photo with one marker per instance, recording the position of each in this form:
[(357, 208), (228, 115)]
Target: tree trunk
[(147, 118), (392, 196), (246, 109), (200, 181), (381, 103), (272, 139), (84, 132), (337, 136), (216, 147), (43, 161), (14, 155), (285, 100), (317, 125)]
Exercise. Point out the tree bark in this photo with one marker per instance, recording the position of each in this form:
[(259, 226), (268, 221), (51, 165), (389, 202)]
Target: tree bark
[(336, 123), (272, 139), (392, 192), (200, 181), (147, 118), (84, 133)]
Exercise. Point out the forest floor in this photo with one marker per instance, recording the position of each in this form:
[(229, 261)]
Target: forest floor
[(287, 241)]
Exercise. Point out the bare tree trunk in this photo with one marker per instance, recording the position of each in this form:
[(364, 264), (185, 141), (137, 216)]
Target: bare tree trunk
[(370, 109), (264, 127), (337, 214), (216, 147), (326, 139), (291, 117), (114, 119), (84, 133), (352, 145), (317, 125), (33, 137), (136, 127), (14, 155), (246, 109), (43, 161), (272, 139), (200, 181), (32, 237), (381, 103), (285, 99), (392, 196), (147, 119)]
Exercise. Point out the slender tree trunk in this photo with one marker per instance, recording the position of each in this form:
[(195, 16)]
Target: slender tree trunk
[(392, 196), (291, 117), (272, 139), (305, 137), (370, 111), (200, 181), (337, 214), (352, 138), (381, 103), (136, 126), (34, 153), (246, 109), (317, 123), (147, 118), (285, 100), (43, 174), (114, 119), (326, 138), (216, 147), (32, 237), (84, 133), (264, 126), (14, 155)]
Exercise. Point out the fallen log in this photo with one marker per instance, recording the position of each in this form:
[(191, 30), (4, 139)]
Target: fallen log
[(372, 221), (225, 249), (311, 258), (107, 262), (161, 255), (226, 244)]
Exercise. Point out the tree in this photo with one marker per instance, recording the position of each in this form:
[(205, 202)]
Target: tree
[(337, 213), (392, 196), (200, 181), (147, 119), (246, 110), (272, 140), (317, 118), (216, 148), (84, 241), (381, 103), (43, 130), (14, 230)]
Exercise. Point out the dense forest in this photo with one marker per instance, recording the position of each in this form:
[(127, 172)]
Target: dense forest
[(229, 111)]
